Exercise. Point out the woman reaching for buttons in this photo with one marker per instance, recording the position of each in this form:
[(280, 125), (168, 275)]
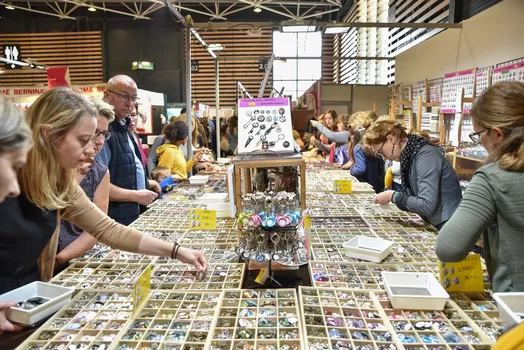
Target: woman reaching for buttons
[(493, 204), (430, 186), (63, 124)]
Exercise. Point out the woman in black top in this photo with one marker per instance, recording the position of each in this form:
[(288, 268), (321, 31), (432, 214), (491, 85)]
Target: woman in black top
[(15, 142)]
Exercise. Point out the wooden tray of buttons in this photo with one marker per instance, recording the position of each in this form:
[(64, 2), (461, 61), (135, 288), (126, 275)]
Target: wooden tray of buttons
[(324, 201), (392, 222), (171, 320), (85, 275), (449, 329), (262, 319), (214, 253), (91, 320), (345, 319), (482, 309), (220, 236), (341, 235), (392, 210), (348, 275), (335, 253), (183, 276), (415, 252), (338, 223), (104, 254), (355, 200), (333, 212), (408, 235), (171, 224), (420, 267)]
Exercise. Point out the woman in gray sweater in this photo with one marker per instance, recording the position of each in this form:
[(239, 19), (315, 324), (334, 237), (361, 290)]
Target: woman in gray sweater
[(493, 204), (430, 186)]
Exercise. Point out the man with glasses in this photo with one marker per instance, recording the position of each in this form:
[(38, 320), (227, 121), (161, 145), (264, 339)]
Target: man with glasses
[(129, 183)]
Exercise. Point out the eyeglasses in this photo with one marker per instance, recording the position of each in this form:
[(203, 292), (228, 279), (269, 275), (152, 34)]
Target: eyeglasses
[(98, 133), (475, 136), (380, 149), (125, 96)]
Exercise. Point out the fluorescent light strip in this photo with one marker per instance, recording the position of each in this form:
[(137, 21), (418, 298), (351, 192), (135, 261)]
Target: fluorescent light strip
[(214, 55), (198, 37), (298, 29), (336, 30)]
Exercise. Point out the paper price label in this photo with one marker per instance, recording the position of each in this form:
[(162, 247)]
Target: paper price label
[(462, 276), (307, 222), (141, 288), (203, 219), (343, 186)]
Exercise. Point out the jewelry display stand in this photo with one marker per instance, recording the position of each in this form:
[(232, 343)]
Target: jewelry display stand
[(245, 166)]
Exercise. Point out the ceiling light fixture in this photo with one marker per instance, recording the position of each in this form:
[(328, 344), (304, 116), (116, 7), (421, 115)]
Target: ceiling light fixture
[(91, 8), (298, 29), (216, 47), (214, 55), (336, 30), (257, 9), (9, 6)]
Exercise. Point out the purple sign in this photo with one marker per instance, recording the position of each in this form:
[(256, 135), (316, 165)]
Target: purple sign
[(264, 102)]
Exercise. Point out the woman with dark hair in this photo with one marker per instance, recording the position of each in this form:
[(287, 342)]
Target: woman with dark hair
[(169, 154)]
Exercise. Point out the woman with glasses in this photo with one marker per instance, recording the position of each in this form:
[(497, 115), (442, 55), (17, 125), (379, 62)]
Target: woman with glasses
[(93, 178), (493, 204), (430, 186), (63, 125)]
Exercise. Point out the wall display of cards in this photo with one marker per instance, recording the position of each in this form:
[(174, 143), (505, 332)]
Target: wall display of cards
[(482, 79), (514, 72), (419, 89), (453, 82), (435, 89), (264, 124)]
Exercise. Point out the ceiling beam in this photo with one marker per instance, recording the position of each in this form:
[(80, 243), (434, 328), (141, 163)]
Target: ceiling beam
[(196, 11), (38, 11), (103, 8), (318, 13)]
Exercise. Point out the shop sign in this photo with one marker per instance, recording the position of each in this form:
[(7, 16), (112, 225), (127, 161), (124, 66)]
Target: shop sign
[(143, 65), (203, 219), (262, 65), (195, 66), (141, 288), (14, 92), (12, 53)]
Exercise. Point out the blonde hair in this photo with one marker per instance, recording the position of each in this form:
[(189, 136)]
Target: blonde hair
[(15, 132), (502, 106), (359, 122), (378, 132), (52, 115), (155, 174), (104, 109), (198, 130), (421, 134)]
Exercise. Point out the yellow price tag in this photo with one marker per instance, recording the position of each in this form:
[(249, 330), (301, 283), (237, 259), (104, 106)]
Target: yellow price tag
[(307, 222), (343, 186), (462, 276), (201, 219), (141, 288), (262, 276)]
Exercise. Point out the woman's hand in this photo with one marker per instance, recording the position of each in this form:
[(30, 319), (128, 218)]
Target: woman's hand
[(193, 257), (313, 123), (5, 325), (198, 156), (384, 197)]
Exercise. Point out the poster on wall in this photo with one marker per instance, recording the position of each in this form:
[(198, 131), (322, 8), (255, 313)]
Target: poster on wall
[(144, 123), (513, 72), (264, 125), (453, 83)]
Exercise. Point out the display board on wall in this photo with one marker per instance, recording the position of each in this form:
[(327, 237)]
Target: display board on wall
[(513, 72), (482, 80), (419, 89), (264, 124), (453, 83), (435, 90)]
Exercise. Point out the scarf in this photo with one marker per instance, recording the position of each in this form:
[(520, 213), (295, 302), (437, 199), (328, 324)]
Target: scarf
[(415, 143)]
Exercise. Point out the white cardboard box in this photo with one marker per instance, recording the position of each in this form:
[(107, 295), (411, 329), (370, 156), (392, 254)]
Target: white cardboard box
[(198, 179), (414, 291), (509, 304), (58, 295), (368, 248)]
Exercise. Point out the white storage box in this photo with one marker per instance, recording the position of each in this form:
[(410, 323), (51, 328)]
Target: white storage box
[(199, 179), (223, 161), (368, 248), (511, 307), (214, 198), (414, 291), (58, 296)]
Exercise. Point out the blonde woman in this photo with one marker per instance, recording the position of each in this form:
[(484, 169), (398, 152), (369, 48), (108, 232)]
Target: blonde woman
[(493, 204), (63, 123), (15, 142), (93, 178)]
